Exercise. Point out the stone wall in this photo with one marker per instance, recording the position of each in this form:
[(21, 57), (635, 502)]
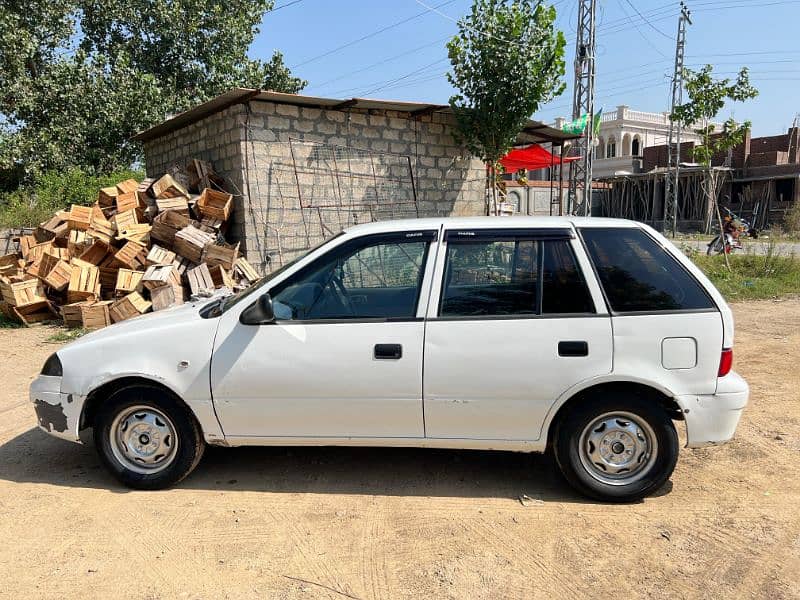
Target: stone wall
[(302, 174)]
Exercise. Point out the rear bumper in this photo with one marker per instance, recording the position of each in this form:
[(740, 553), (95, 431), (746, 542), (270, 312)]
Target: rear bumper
[(712, 419), (57, 414)]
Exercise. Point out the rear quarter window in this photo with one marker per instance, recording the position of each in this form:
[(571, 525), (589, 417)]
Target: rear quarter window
[(638, 275)]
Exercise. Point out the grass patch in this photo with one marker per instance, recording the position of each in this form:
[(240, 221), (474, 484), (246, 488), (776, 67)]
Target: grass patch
[(752, 277), (6, 323), (66, 335)]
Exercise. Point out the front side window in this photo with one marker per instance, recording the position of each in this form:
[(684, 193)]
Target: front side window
[(638, 275), (507, 277), (373, 277)]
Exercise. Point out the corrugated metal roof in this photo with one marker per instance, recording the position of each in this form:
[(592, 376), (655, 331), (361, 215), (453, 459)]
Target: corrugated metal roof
[(533, 132)]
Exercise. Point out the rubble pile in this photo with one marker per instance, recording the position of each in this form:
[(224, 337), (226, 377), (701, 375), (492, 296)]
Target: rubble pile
[(142, 246)]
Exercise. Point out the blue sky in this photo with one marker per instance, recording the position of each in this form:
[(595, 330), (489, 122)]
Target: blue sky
[(321, 41)]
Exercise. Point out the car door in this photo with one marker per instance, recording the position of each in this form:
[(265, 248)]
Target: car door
[(513, 326), (343, 358)]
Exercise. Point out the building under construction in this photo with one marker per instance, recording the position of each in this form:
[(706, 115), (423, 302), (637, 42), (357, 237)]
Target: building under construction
[(759, 181)]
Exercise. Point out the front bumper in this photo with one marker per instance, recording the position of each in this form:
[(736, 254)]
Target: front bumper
[(58, 414), (712, 419)]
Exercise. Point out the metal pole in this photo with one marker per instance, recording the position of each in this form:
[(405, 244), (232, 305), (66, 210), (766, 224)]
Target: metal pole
[(672, 180), (580, 171)]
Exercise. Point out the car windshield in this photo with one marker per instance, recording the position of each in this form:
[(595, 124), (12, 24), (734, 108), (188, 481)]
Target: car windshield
[(234, 299)]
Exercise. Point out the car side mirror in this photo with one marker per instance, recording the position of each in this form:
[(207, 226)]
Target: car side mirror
[(259, 312)]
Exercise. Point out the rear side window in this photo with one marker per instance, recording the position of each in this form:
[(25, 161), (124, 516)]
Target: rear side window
[(638, 275), (519, 276)]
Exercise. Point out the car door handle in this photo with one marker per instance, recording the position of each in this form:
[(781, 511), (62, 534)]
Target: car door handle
[(388, 351), (573, 348)]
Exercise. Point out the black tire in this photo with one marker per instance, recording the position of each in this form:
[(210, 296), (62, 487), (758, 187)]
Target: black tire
[(714, 247), (654, 473), (190, 443)]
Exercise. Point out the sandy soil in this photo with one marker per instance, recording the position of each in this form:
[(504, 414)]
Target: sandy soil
[(361, 523)]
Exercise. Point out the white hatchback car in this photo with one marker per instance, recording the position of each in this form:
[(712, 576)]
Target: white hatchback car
[(587, 336)]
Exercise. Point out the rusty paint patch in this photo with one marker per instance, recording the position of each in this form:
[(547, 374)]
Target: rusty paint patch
[(51, 416)]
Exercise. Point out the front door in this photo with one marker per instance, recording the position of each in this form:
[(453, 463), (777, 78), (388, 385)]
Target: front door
[(343, 358), (515, 326)]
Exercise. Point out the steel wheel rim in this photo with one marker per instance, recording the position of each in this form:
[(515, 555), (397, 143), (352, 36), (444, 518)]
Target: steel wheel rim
[(618, 448), (143, 439)]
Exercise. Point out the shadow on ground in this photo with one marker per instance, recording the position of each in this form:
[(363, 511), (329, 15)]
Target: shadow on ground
[(35, 457)]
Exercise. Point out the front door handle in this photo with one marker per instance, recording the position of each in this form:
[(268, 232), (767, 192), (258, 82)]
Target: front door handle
[(573, 348), (388, 351)]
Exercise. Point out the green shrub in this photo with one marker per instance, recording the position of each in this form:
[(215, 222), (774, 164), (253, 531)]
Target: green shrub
[(791, 222), (30, 205), (752, 276)]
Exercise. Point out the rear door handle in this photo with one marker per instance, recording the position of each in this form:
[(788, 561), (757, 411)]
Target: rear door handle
[(573, 348), (388, 351)]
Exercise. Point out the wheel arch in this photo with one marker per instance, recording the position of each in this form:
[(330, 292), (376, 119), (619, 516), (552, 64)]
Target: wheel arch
[(657, 394), (97, 396)]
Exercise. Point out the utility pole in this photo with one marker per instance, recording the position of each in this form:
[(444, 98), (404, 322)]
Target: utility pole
[(580, 171), (674, 143)]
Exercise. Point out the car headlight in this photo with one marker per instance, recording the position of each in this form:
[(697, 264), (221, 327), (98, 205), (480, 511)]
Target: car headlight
[(52, 366)]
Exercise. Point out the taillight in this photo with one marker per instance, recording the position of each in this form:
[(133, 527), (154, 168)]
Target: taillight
[(725, 362)]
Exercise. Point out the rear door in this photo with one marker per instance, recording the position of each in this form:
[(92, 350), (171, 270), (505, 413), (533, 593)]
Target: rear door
[(666, 326), (512, 327)]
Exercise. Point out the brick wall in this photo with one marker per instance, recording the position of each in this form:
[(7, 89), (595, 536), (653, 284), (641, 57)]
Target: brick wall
[(275, 154)]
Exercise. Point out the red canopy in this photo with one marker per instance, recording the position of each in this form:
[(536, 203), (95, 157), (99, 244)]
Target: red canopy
[(530, 158)]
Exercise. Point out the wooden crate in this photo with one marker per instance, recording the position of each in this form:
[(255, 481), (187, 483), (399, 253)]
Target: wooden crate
[(167, 187), (178, 204), (38, 312), (128, 186), (72, 315), (9, 265), (224, 256), (128, 306), (84, 282), (107, 196), (129, 201), (128, 281), (26, 242), (166, 225), (35, 252), (22, 293), (95, 315), (159, 256), (200, 281), (215, 225), (165, 297), (80, 217), (78, 242), (144, 189), (220, 277), (190, 243), (132, 255), (59, 276), (125, 219), (136, 233), (244, 271), (56, 226), (96, 253), (42, 266), (102, 230), (182, 266), (215, 204), (160, 275)]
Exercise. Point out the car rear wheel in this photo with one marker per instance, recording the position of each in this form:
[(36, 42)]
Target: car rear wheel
[(617, 449), (147, 438)]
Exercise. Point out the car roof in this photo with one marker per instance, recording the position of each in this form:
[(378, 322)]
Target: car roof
[(488, 223)]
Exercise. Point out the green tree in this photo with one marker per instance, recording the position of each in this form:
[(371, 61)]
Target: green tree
[(507, 59), (79, 77), (707, 97)]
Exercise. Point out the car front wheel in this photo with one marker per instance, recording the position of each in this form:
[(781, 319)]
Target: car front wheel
[(617, 450), (146, 438)]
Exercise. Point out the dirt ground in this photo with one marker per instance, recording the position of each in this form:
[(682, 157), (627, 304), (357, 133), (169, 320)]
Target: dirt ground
[(362, 523)]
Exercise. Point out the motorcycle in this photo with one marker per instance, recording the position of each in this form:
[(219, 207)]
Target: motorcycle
[(732, 232)]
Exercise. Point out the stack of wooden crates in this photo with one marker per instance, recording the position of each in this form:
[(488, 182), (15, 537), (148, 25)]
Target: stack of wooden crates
[(141, 246)]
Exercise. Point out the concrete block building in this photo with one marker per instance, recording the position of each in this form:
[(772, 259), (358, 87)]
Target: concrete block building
[(302, 168)]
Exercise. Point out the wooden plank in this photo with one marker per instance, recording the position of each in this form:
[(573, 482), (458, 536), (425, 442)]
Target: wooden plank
[(245, 271), (220, 277), (178, 204), (159, 256)]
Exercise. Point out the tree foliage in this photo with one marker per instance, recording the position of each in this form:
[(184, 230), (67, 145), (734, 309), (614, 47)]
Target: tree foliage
[(79, 77), (707, 97), (507, 59)]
